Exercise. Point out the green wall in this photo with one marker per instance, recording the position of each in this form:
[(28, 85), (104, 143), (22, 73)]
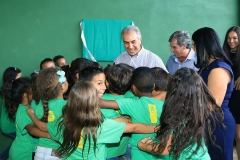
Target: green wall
[(33, 30)]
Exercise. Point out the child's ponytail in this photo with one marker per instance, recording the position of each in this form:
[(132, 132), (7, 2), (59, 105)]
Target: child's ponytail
[(49, 86), (9, 75), (7, 94), (45, 110), (35, 94), (19, 87)]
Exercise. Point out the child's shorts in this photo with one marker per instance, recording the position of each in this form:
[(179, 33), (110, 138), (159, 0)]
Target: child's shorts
[(43, 153)]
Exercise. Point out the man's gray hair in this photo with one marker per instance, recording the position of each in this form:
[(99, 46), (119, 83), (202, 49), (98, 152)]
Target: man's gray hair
[(183, 38), (129, 29)]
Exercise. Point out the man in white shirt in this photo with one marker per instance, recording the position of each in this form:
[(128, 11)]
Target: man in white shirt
[(135, 55)]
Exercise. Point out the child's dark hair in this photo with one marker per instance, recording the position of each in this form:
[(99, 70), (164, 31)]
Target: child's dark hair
[(81, 118), (45, 60), (88, 73), (9, 76), (56, 58), (35, 94), (119, 78), (19, 87), (70, 81), (71, 70), (96, 64), (79, 64), (189, 111), (48, 88), (162, 78), (143, 78)]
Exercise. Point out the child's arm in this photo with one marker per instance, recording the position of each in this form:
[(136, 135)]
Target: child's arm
[(139, 128), (146, 145), (41, 125), (108, 104), (123, 119), (34, 131)]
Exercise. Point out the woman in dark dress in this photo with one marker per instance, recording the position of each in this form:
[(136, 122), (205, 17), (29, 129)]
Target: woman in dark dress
[(232, 49), (216, 71)]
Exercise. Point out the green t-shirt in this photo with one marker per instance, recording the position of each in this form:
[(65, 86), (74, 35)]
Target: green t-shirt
[(34, 105), (107, 112), (202, 153), (23, 144), (109, 132), (142, 110), (129, 94), (6, 125), (55, 111), (120, 148)]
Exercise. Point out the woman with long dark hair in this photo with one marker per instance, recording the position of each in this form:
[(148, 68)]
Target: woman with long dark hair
[(232, 48), (216, 71)]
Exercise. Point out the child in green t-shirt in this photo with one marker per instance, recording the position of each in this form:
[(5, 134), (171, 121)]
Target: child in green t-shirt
[(21, 96), (118, 82), (51, 85), (82, 131), (97, 77), (7, 121), (185, 121), (143, 108)]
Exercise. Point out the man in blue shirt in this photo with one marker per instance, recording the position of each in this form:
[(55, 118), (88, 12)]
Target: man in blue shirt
[(184, 55)]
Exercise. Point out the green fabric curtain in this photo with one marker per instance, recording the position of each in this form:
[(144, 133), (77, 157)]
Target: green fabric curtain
[(102, 38)]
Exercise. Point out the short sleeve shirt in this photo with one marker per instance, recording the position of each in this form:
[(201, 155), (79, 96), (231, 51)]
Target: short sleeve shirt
[(202, 153), (7, 126), (110, 131), (142, 110), (55, 111), (115, 149), (22, 146), (129, 94), (110, 113)]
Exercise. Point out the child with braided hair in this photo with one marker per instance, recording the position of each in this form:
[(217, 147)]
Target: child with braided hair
[(51, 85), (21, 97), (82, 130)]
